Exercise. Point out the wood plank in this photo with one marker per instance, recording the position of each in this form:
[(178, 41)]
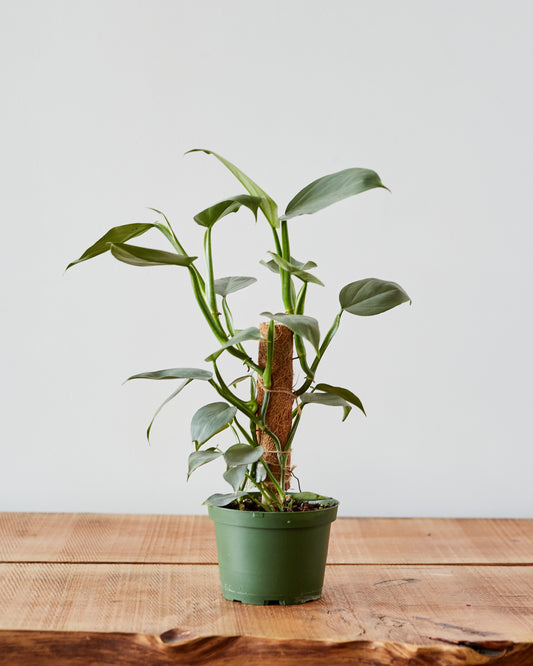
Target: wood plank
[(133, 538), (96, 649), (407, 605)]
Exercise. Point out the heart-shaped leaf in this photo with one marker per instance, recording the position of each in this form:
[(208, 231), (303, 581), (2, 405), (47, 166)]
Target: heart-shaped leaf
[(119, 234), (235, 476), (294, 270), (268, 205), (251, 333), (304, 326), (332, 188), (242, 454), (174, 373), (229, 285), (209, 216), (219, 499), (144, 256), (199, 458), (209, 420), (342, 393), (371, 296)]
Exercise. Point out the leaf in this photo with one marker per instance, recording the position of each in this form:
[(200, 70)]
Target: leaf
[(240, 379), (332, 188), (144, 256), (294, 270), (199, 458), (343, 393), (273, 266), (170, 397), (119, 234), (174, 373), (371, 296), (229, 285), (307, 496), (329, 399), (304, 326), (209, 216), (219, 499), (242, 454), (268, 205), (251, 333), (209, 420), (235, 476)]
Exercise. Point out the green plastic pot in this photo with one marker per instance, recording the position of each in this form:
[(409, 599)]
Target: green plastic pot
[(272, 558)]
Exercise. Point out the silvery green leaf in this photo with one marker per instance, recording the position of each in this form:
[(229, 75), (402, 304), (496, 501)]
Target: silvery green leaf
[(303, 325), (209, 216), (342, 393), (242, 454), (251, 333), (218, 499), (174, 373), (199, 458), (332, 188), (119, 234), (145, 256), (209, 420), (371, 296), (268, 205), (235, 476), (229, 285)]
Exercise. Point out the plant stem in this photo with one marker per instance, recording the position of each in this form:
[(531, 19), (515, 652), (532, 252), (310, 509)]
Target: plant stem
[(286, 280), (325, 344)]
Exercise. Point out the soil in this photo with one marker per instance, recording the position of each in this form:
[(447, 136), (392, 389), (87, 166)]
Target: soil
[(291, 505)]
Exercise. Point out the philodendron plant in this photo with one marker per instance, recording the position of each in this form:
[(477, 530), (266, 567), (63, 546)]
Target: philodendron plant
[(265, 420)]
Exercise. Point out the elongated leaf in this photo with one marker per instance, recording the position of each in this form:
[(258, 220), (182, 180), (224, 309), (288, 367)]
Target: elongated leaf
[(115, 235), (165, 402), (144, 256), (209, 216), (294, 270), (343, 393), (199, 458), (240, 379), (329, 399), (304, 326), (251, 333), (229, 285), (235, 476), (242, 454), (209, 420), (371, 296), (174, 373), (218, 499), (332, 188), (268, 205)]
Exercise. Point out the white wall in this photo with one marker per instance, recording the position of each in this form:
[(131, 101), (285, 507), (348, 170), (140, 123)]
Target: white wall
[(100, 101)]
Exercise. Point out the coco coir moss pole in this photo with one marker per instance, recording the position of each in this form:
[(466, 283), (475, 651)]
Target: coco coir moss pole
[(278, 417)]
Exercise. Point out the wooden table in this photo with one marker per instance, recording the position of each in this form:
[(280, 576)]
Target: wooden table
[(133, 589)]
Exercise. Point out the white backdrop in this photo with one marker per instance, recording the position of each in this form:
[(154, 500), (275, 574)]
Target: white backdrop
[(100, 101)]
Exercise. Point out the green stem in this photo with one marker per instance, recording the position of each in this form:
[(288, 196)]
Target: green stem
[(286, 280), (211, 295), (325, 344), (224, 391), (249, 439)]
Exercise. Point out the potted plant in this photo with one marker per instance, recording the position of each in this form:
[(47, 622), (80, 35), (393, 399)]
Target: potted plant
[(272, 541)]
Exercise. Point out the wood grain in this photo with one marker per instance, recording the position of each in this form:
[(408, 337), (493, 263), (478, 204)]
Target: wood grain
[(104, 589), (89, 649), (415, 605), (189, 539)]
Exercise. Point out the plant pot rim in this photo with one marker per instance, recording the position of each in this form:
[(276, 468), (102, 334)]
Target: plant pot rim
[(276, 519)]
